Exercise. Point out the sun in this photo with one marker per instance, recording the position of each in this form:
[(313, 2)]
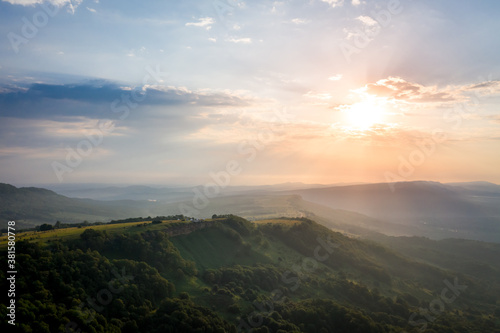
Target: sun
[(364, 114)]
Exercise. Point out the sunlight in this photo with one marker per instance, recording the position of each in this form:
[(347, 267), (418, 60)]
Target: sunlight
[(364, 114)]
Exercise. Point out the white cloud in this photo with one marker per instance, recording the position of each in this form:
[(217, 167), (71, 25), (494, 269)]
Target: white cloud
[(29, 2), (349, 34), (335, 77), (72, 4), (317, 95), (397, 88), (299, 21), (137, 52), (204, 22), (487, 87), (367, 20), (356, 2), (91, 9), (240, 40), (334, 3)]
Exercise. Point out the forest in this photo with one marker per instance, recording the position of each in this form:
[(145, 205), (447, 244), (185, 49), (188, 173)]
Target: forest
[(284, 275)]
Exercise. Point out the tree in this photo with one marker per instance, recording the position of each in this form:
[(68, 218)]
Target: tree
[(45, 227)]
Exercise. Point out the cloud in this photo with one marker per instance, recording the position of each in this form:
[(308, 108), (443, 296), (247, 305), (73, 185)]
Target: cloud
[(490, 87), (230, 127), (486, 84), (167, 95), (383, 134), (240, 40), (204, 22), (299, 21), (399, 89), (72, 4), (95, 99), (142, 51), (334, 3), (367, 20), (356, 2), (317, 95), (91, 9), (335, 77), (46, 140), (36, 2)]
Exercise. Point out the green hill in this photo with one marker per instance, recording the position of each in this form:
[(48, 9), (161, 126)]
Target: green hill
[(30, 206), (229, 275)]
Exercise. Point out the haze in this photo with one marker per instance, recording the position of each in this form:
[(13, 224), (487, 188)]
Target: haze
[(168, 92)]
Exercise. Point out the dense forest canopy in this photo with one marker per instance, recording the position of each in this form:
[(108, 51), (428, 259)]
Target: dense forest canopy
[(286, 275)]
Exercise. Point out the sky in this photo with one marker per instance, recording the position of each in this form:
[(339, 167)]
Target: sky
[(248, 92)]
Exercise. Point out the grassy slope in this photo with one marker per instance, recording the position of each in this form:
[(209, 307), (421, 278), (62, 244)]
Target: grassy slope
[(73, 233), (30, 206), (211, 248), (415, 265), (360, 262)]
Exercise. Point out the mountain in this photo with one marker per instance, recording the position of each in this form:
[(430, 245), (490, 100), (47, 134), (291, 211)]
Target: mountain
[(133, 192), (164, 194), (35, 206), (30, 206), (481, 187), (230, 275), (439, 210), (413, 209)]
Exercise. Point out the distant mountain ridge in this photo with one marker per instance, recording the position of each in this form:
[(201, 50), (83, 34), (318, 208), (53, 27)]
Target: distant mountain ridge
[(466, 210), (430, 209), (31, 205), (393, 201), (166, 193)]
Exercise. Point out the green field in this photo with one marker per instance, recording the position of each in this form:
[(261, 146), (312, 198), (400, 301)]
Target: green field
[(118, 228), (74, 232), (279, 221)]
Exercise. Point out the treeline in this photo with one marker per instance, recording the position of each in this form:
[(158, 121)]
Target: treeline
[(62, 225), (141, 282), (73, 287)]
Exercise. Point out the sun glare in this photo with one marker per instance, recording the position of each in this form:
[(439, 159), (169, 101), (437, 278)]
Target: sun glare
[(364, 114)]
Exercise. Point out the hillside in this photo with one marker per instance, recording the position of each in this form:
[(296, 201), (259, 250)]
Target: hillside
[(35, 206), (30, 206), (470, 210), (162, 193), (438, 211), (279, 275)]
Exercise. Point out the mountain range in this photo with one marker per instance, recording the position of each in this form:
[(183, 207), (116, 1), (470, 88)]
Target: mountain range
[(422, 208)]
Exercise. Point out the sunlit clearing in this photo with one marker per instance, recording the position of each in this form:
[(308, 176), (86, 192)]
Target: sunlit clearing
[(364, 114)]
